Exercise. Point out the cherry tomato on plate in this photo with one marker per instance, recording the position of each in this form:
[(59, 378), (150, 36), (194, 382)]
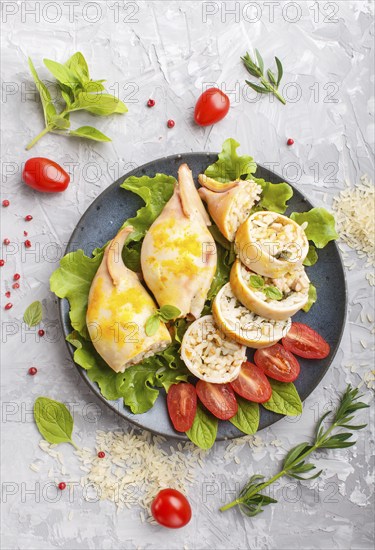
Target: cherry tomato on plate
[(305, 342), (182, 405), (171, 508), (219, 399), (211, 107), (45, 175), (277, 363), (252, 384)]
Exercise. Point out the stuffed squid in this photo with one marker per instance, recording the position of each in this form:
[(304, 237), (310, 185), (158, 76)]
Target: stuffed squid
[(118, 309)]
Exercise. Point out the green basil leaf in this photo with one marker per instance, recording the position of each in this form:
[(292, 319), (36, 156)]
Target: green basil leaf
[(229, 165), (167, 313), (272, 293), (204, 429), (89, 132), (49, 109), (152, 324), (94, 87), (53, 420), (321, 225), (256, 281), (62, 123), (62, 73), (33, 314), (78, 65), (98, 104), (247, 416), (312, 298), (312, 256), (284, 399)]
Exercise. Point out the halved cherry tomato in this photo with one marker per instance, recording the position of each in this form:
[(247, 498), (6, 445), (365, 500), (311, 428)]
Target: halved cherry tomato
[(219, 399), (278, 363), (305, 342), (45, 175), (182, 405), (252, 384), (171, 508), (211, 107)]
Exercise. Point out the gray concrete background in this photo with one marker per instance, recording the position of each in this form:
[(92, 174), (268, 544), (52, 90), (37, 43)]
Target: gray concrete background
[(169, 51)]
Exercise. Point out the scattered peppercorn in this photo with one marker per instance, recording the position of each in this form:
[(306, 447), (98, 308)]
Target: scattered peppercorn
[(32, 371), (150, 102), (27, 243), (28, 218), (170, 123), (8, 306), (101, 454), (6, 203), (15, 285), (6, 242), (16, 277), (2, 262), (41, 332), (25, 233), (7, 294), (62, 486), (290, 141)]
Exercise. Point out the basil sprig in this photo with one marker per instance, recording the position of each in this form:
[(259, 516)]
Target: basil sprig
[(272, 292), (80, 93), (165, 314)]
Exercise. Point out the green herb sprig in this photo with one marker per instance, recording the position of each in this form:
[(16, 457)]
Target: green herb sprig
[(272, 292), (256, 68), (165, 314), (251, 500), (80, 93)]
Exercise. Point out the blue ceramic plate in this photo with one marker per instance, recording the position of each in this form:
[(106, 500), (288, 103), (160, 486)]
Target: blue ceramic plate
[(104, 218)]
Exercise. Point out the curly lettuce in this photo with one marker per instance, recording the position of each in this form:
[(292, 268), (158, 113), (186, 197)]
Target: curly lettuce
[(321, 225), (229, 165)]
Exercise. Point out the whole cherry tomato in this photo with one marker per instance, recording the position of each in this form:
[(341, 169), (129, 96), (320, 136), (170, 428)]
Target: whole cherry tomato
[(211, 107), (171, 509), (45, 175)]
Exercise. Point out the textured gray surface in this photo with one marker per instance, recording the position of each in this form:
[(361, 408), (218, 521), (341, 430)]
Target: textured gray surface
[(169, 50)]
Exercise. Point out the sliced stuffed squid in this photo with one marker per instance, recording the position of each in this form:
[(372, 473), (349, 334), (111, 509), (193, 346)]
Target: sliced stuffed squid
[(277, 299), (271, 244), (229, 204), (209, 354), (118, 309), (244, 326)]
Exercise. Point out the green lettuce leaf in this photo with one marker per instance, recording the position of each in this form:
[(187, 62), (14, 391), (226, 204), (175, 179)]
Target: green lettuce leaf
[(229, 165), (274, 195), (312, 298), (321, 225), (72, 280), (138, 385), (312, 256)]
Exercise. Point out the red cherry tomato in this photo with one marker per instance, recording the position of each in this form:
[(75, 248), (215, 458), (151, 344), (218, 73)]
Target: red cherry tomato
[(171, 508), (211, 107), (219, 399), (182, 405), (45, 175), (252, 384), (278, 363), (305, 342)]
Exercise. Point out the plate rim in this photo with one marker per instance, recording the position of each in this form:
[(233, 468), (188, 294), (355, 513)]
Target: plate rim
[(71, 349)]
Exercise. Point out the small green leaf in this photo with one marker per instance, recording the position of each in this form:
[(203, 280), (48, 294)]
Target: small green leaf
[(312, 297), (78, 65), (256, 281), (271, 77), (272, 292), (89, 132), (279, 71), (53, 420), (152, 324), (257, 88), (48, 107), (62, 73), (260, 61), (312, 256), (98, 104), (167, 313), (33, 314), (247, 417), (284, 399), (60, 122), (204, 429)]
